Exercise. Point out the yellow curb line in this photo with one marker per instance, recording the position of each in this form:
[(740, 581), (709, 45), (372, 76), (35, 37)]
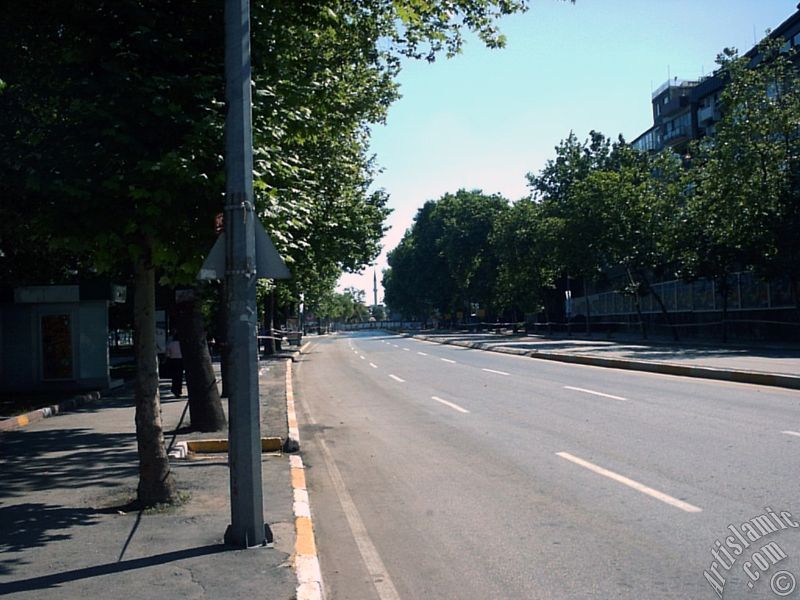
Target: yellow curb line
[(306, 561)]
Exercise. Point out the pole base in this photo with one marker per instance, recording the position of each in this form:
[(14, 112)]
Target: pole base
[(230, 539)]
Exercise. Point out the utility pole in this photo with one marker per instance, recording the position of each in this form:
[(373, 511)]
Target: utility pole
[(247, 528)]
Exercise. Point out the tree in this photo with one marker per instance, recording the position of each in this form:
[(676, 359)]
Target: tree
[(526, 266), (445, 262), (112, 135), (742, 207)]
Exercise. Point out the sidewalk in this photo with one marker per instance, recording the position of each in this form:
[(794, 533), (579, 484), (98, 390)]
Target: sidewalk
[(65, 532), (758, 364)]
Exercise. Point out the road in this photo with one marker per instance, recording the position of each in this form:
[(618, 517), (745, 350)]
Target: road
[(442, 472)]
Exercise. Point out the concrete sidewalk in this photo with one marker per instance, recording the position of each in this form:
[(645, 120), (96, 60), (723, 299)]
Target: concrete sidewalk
[(758, 364), (65, 531)]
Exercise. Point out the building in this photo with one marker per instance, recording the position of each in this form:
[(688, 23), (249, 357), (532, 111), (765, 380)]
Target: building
[(688, 110), (55, 337)]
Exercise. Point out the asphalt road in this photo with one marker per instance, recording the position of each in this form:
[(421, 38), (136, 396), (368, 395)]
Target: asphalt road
[(442, 472)]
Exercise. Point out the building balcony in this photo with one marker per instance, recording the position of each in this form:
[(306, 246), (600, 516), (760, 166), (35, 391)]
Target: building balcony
[(707, 114), (677, 136)]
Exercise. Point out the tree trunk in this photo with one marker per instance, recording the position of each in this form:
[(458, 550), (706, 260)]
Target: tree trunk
[(156, 484), (205, 406), (638, 304), (723, 291), (269, 312), (588, 308), (664, 311)]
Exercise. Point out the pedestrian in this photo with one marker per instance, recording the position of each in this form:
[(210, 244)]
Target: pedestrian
[(175, 364)]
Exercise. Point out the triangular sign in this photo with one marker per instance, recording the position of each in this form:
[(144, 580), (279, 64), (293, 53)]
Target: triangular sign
[(269, 264)]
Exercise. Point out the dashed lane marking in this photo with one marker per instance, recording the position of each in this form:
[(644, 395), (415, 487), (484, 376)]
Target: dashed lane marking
[(452, 405), (495, 372), (585, 391), (635, 485)]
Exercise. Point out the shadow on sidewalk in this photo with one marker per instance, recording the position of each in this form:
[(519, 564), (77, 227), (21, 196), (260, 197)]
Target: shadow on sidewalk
[(49, 581), (34, 525), (64, 459)]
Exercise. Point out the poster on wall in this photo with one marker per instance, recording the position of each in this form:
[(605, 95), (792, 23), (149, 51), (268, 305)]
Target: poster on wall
[(57, 360)]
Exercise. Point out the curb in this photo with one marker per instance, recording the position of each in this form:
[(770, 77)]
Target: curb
[(293, 439), (46, 412), (306, 560), (665, 368)]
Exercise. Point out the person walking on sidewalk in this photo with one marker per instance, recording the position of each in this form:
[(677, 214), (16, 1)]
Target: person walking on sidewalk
[(175, 364)]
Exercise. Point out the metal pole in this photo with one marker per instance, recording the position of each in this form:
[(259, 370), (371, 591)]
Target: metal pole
[(247, 528)]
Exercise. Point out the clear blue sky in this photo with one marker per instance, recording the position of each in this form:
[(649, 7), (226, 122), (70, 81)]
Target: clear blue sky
[(487, 117)]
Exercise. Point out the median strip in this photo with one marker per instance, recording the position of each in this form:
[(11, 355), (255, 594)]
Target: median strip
[(639, 487)]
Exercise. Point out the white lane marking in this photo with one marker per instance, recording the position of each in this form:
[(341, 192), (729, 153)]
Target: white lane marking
[(447, 360), (362, 357), (496, 372), (397, 379), (422, 353), (585, 391), (639, 487), (406, 350), (450, 404), (373, 365), (395, 345), (796, 433), (369, 553)]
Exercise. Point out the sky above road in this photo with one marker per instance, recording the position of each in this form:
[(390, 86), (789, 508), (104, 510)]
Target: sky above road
[(485, 118)]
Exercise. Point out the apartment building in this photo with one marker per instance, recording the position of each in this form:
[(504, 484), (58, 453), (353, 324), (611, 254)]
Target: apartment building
[(685, 110)]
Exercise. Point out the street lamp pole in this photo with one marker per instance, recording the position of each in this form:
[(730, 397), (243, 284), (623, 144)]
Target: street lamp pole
[(247, 528)]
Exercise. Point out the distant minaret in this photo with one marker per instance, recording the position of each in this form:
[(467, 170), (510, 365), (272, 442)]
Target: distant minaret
[(374, 288)]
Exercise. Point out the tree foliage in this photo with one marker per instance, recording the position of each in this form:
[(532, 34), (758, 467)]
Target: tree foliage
[(445, 261)]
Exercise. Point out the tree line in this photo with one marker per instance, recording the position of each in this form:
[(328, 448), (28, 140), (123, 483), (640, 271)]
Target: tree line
[(111, 151), (729, 201)]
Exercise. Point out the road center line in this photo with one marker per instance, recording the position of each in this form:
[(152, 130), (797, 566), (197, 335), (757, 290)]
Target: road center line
[(496, 372), (373, 365), (397, 379), (585, 391), (450, 404), (796, 433), (447, 360), (639, 487)]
